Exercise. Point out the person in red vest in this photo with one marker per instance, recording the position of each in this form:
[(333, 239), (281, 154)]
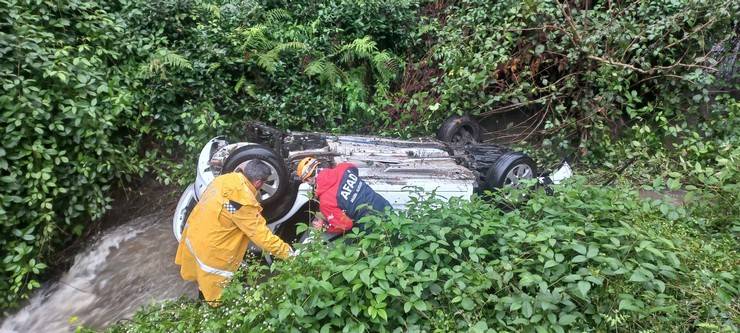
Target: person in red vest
[(344, 198)]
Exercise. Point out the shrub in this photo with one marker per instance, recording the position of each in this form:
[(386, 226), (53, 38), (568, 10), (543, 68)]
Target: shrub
[(64, 138), (94, 92), (586, 73), (587, 259)]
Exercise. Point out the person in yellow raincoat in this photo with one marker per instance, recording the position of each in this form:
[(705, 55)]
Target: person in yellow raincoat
[(227, 217)]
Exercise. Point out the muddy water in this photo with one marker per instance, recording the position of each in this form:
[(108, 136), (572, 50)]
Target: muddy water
[(128, 267)]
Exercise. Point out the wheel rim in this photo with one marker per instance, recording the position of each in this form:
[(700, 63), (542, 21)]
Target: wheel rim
[(519, 171), (271, 185)]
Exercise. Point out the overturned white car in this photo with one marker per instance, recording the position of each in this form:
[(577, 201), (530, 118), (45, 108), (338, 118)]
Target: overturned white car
[(456, 167)]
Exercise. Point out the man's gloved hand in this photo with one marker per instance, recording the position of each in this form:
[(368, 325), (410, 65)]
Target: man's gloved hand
[(295, 253)]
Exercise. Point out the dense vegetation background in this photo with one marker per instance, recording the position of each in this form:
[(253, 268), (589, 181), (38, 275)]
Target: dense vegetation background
[(96, 93)]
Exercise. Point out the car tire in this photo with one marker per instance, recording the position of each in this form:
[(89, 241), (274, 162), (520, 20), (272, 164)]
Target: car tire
[(509, 169), (279, 182), (184, 207), (459, 130)]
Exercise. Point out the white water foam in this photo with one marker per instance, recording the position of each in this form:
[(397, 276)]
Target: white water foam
[(128, 267)]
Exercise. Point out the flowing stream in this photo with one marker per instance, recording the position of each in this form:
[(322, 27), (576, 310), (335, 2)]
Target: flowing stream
[(128, 267)]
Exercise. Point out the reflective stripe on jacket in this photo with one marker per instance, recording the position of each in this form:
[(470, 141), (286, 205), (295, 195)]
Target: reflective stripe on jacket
[(219, 228)]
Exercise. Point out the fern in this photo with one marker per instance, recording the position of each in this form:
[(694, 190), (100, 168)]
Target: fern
[(324, 70), (276, 16), (268, 60), (382, 89), (213, 10), (316, 68), (385, 64), (161, 60), (291, 46), (254, 37), (174, 60), (334, 73), (360, 48), (363, 47)]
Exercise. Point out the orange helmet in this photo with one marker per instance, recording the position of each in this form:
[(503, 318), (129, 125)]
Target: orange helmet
[(306, 168)]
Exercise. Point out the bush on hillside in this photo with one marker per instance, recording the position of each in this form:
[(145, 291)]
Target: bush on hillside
[(295, 65), (585, 73), (586, 259), (64, 134), (94, 92)]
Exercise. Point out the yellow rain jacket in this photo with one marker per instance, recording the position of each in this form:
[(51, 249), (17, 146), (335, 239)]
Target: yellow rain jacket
[(224, 221)]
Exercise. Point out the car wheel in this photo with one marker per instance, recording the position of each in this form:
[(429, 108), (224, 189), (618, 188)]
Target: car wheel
[(460, 130), (509, 169), (278, 182), (184, 207)]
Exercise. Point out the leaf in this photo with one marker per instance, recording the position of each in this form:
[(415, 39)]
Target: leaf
[(550, 263), (467, 304), (578, 259), (626, 304), (365, 276), (394, 292), (567, 319), (480, 327), (283, 312), (349, 274), (539, 49), (382, 314), (579, 248), (527, 309), (420, 305), (379, 274), (593, 250), (641, 275), (584, 287), (571, 278)]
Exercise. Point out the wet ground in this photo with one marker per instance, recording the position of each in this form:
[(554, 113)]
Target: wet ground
[(130, 266)]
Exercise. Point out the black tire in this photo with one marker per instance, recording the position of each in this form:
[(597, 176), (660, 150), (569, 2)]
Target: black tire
[(508, 169), (273, 211), (460, 130), (279, 186)]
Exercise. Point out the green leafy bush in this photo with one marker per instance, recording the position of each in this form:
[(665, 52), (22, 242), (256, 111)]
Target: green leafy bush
[(586, 73), (586, 259), (94, 92), (97, 91), (296, 65), (293, 67), (64, 137)]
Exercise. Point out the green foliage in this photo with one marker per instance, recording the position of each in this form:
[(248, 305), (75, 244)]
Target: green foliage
[(94, 92), (64, 114), (586, 259), (589, 73), (213, 64)]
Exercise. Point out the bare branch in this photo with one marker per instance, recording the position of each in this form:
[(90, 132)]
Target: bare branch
[(619, 64)]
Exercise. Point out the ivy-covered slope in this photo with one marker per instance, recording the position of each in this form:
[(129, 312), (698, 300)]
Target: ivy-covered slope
[(97, 92)]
